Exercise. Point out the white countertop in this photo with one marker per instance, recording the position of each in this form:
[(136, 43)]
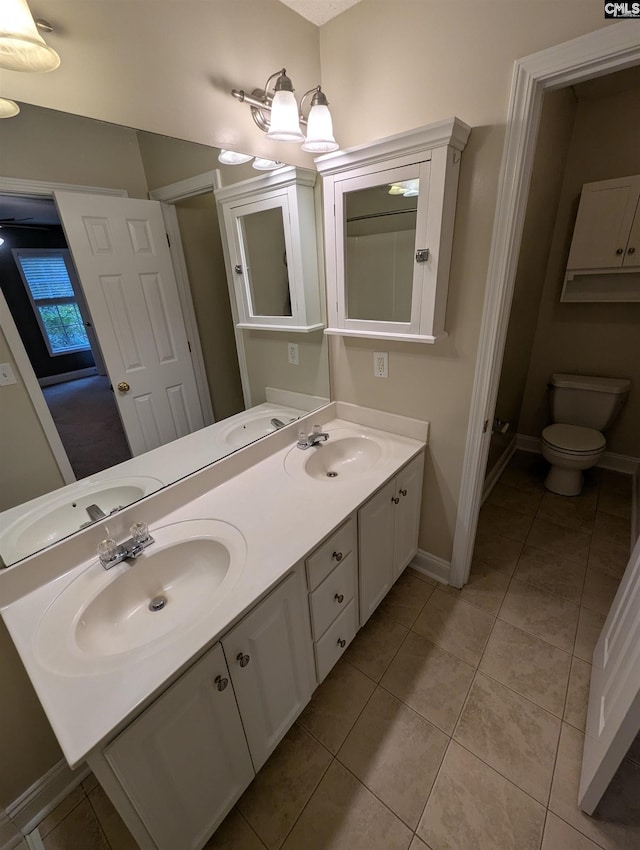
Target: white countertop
[(281, 517)]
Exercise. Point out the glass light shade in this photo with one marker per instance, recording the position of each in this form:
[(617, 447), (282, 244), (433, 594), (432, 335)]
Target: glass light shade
[(233, 157), (8, 108), (265, 164), (1, 241), (22, 48), (320, 131), (285, 123)]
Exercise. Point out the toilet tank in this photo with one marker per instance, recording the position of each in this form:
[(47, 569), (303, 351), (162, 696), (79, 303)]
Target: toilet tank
[(588, 401)]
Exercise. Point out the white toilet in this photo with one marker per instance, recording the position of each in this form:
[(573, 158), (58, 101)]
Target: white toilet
[(581, 407)]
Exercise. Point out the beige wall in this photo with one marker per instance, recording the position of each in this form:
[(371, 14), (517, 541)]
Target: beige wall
[(590, 339), (268, 364), (388, 67), (28, 469), (554, 137)]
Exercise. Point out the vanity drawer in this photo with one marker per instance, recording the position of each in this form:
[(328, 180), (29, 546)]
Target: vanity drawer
[(330, 646), (326, 557), (334, 594)]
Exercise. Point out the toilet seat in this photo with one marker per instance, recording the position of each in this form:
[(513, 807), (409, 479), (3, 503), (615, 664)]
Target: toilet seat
[(573, 439)]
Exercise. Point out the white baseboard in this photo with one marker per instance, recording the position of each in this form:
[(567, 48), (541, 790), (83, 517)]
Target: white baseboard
[(10, 838), (432, 566), (44, 795), (498, 468), (63, 377)]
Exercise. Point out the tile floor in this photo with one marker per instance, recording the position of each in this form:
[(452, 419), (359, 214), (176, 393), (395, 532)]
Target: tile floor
[(455, 720)]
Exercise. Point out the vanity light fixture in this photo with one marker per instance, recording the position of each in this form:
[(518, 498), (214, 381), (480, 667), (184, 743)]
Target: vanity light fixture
[(266, 164), (8, 108), (276, 113), (22, 48), (233, 157)]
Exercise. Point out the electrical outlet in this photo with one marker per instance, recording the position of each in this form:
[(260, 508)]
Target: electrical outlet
[(6, 375), (381, 364), (292, 353)]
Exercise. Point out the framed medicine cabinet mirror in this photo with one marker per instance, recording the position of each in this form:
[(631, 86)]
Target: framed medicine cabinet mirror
[(389, 212), (269, 238)]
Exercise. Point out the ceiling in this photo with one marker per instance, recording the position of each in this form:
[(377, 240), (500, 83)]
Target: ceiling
[(319, 11)]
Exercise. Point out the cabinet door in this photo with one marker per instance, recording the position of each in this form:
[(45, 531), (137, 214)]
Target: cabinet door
[(407, 513), (632, 254), (184, 762), (603, 223), (270, 656), (375, 536)]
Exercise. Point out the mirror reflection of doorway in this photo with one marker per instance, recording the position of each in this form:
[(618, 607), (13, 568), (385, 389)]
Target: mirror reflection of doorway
[(45, 300)]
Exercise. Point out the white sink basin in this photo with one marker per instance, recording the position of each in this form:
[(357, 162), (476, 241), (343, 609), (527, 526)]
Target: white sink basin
[(104, 617), (64, 513), (255, 425), (345, 455)]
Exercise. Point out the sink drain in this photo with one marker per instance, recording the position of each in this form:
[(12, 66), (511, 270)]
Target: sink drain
[(157, 603), (332, 474)]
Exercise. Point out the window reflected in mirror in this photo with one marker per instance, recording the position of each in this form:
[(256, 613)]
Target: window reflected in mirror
[(266, 258), (380, 227)]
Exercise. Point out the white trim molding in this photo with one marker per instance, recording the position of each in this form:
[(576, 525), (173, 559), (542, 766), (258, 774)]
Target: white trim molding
[(499, 467), (208, 181), (432, 566), (10, 838), (45, 188), (602, 52), (34, 804)]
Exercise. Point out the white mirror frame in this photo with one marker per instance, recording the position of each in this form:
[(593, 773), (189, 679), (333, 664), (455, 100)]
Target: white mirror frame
[(602, 52)]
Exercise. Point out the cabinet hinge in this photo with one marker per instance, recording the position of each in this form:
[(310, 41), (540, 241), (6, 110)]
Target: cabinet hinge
[(189, 344), (168, 240), (485, 426)]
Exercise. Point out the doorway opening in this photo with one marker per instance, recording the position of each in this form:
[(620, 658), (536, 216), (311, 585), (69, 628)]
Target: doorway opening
[(46, 302)]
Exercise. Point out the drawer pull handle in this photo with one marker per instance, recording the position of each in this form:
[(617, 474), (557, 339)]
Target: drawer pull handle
[(342, 643), (339, 597), (403, 492), (395, 499), (337, 556), (221, 683), (243, 659), (631, 251)]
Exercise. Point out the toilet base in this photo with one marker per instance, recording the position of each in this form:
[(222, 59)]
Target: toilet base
[(563, 481)]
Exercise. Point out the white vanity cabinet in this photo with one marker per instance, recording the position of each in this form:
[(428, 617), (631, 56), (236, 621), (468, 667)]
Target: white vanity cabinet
[(332, 576), (184, 761), (388, 534), (389, 212), (177, 769), (269, 239), (271, 663)]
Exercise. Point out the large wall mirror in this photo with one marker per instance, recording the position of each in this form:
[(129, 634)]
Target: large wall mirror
[(222, 387)]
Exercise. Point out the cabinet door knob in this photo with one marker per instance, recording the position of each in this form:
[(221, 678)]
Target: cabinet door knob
[(243, 659), (631, 251), (221, 683), (342, 643), (620, 251), (403, 492), (337, 556), (339, 597), (395, 499)]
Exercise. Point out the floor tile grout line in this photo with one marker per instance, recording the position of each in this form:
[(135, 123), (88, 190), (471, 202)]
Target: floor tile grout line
[(71, 810), (99, 820), (243, 818)]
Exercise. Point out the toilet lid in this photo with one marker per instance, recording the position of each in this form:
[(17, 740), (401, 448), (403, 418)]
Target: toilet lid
[(574, 438)]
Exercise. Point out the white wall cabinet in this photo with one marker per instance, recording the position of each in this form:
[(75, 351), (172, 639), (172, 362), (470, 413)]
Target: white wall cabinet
[(388, 534), (389, 213), (271, 663), (604, 258), (269, 238), (184, 761)]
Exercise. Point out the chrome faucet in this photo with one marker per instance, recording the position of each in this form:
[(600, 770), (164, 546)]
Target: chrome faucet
[(111, 553), (95, 512), (306, 441)]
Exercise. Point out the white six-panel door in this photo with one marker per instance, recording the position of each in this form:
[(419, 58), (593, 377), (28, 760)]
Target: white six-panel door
[(120, 250), (613, 718)]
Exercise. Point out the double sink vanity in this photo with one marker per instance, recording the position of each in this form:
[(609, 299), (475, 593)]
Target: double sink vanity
[(176, 673)]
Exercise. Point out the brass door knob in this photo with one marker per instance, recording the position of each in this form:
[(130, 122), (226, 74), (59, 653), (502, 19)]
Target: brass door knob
[(124, 387)]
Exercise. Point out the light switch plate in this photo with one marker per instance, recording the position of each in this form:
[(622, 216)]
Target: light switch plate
[(292, 353), (6, 375)]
